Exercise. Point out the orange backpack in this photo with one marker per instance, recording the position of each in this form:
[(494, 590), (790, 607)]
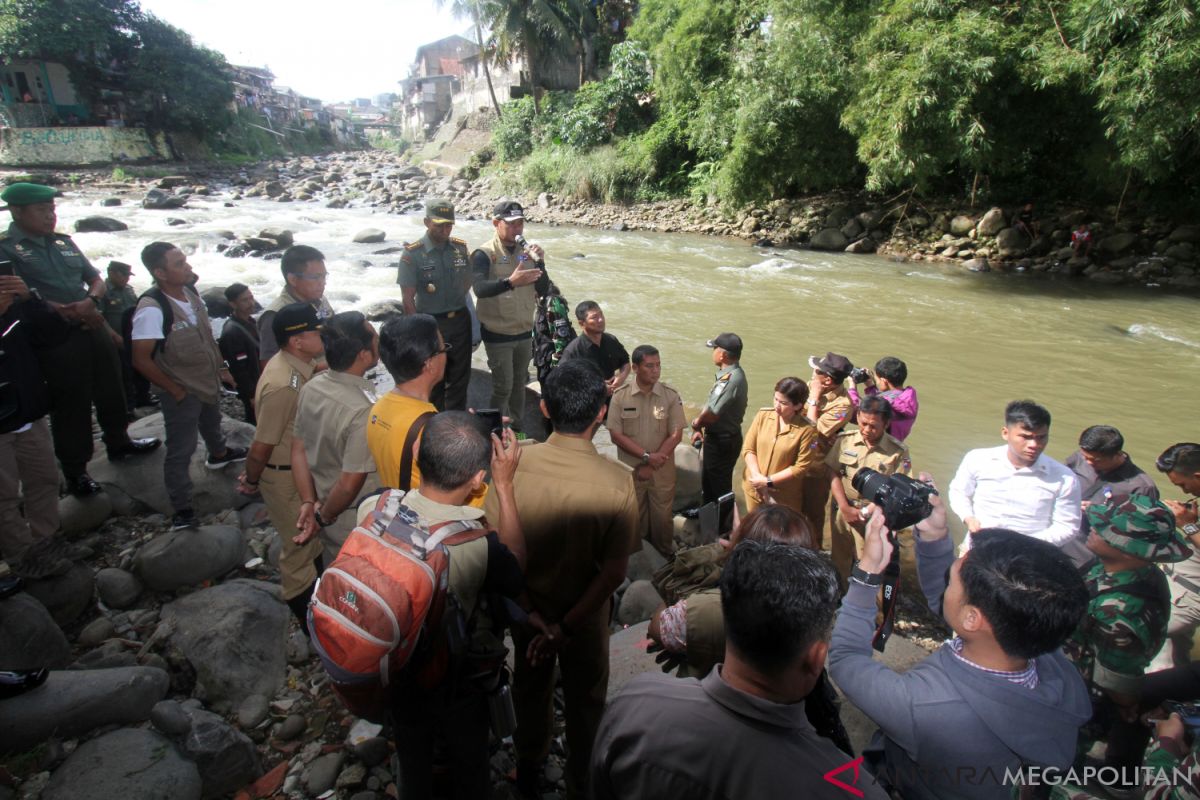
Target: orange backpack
[(379, 612)]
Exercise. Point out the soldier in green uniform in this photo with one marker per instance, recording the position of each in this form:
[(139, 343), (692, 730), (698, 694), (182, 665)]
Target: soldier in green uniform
[(85, 369), (853, 450), (119, 298), (434, 279), (1126, 619), (720, 423)]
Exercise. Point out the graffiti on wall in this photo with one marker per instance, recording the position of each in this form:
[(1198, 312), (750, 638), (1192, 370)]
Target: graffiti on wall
[(21, 147)]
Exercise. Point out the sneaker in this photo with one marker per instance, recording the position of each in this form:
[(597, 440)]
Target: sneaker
[(183, 519), (231, 455)]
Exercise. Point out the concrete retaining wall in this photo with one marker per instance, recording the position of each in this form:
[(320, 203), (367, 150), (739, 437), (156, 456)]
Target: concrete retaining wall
[(27, 147)]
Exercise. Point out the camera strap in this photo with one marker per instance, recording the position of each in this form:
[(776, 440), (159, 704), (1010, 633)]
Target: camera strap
[(891, 593)]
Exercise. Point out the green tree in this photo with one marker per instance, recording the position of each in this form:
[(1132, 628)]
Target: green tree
[(523, 28), (472, 9)]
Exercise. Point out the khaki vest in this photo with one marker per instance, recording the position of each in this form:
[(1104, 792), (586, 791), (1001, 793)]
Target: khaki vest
[(189, 354), (510, 312)]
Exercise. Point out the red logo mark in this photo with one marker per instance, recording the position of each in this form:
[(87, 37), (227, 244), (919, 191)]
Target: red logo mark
[(854, 765)]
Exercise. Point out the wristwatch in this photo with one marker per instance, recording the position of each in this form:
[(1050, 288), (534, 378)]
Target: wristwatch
[(645, 457), (1191, 529), (508, 284), (770, 483), (862, 576)]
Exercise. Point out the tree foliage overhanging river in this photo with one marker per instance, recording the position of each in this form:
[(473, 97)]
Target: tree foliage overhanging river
[(1092, 354)]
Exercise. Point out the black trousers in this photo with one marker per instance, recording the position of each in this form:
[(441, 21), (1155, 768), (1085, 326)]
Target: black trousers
[(720, 454), (459, 722), (82, 371), (451, 393)]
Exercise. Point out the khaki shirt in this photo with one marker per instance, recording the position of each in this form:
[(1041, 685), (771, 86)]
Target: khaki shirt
[(51, 264), (648, 418), (275, 399), (331, 420), (440, 275), (267, 346), (578, 509), (727, 399), (833, 413), (850, 453)]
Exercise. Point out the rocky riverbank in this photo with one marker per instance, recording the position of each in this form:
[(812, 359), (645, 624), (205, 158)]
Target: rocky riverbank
[(1130, 248)]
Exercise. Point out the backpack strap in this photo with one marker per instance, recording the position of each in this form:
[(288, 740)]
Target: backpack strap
[(406, 455), (168, 315)]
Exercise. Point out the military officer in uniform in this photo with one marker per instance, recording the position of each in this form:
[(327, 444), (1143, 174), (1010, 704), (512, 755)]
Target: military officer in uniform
[(645, 420), (870, 447), (119, 298), (720, 423), (434, 279), (85, 369), (268, 464)]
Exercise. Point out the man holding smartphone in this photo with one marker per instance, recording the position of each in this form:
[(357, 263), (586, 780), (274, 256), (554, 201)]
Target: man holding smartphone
[(85, 369)]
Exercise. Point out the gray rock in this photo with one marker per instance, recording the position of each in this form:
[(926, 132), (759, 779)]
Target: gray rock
[(232, 635), (687, 477), (1186, 233), (323, 772), (253, 516), (141, 478), (373, 751), (189, 557), (1117, 244), (1111, 278), (29, 636), (638, 603), (117, 588), (992, 223), (977, 265), (225, 756), (130, 764), (173, 181), (252, 711), (863, 246), (829, 239), (852, 229), (291, 727), (110, 655), (99, 225), (83, 514), (170, 718), (369, 236), (72, 702), (383, 310), (215, 303), (97, 631), (1012, 241), (283, 237), (158, 200), (352, 776), (961, 225), (176, 221), (643, 563), (109, 202), (618, 226), (65, 596), (1184, 251)]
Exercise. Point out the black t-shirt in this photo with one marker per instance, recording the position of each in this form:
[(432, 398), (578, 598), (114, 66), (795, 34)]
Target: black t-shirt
[(609, 356)]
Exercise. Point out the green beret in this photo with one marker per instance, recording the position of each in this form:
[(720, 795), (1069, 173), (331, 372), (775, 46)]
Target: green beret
[(26, 194), (439, 210), (1141, 527)]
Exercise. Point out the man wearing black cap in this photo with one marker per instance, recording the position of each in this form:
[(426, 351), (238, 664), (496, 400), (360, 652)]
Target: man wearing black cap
[(85, 369), (508, 280), (179, 355), (116, 307), (268, 464), (828, 408), (720, 423), (434, 279)]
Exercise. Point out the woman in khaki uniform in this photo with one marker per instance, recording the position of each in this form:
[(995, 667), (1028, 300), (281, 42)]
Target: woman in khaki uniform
[(781, 447)]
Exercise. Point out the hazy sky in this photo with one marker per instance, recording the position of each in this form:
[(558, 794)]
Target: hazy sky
[(332, 50)]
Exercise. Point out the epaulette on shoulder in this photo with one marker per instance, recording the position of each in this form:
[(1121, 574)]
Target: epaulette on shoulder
[(413, 245), (456, 240)]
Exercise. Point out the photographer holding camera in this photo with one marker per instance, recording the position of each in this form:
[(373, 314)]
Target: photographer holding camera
[(853, 450), (997, 697)]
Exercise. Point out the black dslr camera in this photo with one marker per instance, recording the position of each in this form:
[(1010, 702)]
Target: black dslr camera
[(902, 500)]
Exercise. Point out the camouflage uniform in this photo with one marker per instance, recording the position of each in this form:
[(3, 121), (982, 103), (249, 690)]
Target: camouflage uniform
[(1126, 619)]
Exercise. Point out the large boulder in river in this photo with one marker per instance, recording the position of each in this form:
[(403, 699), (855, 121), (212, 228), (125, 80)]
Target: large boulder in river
[(29, 636), (189, 557), (141, 477), (130, 764), (862, 246), (283, 237), (233, 636), (215, 303), (1117, 244), (688, 492), (225, 756), (992, 223), (369, 236), (99, 225), (1012, 241), (829, 239), (158, 200), (73, 702), (1186, 233), (961, 225)]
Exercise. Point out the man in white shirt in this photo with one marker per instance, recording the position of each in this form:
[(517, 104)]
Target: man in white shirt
[(1016, 486)]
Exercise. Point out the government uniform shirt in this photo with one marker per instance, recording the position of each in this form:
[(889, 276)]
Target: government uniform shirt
[(51, 264), (440, 275), (727, 399), (647, 417), (331, 420), (851, 452), (276, 398)]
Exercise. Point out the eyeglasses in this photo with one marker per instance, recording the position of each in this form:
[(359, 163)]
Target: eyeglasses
[(445, 348), (318, 277)]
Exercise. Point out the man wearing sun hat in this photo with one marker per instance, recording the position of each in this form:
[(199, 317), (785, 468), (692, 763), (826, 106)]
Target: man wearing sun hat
[(434, 279), (85, 369), (829, 409), (720, 422), (1126, 620)]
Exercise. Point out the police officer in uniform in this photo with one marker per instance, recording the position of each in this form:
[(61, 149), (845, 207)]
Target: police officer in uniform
[(118, 301), (869, 447), (720, 423), (85, 369), (434, 279)]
